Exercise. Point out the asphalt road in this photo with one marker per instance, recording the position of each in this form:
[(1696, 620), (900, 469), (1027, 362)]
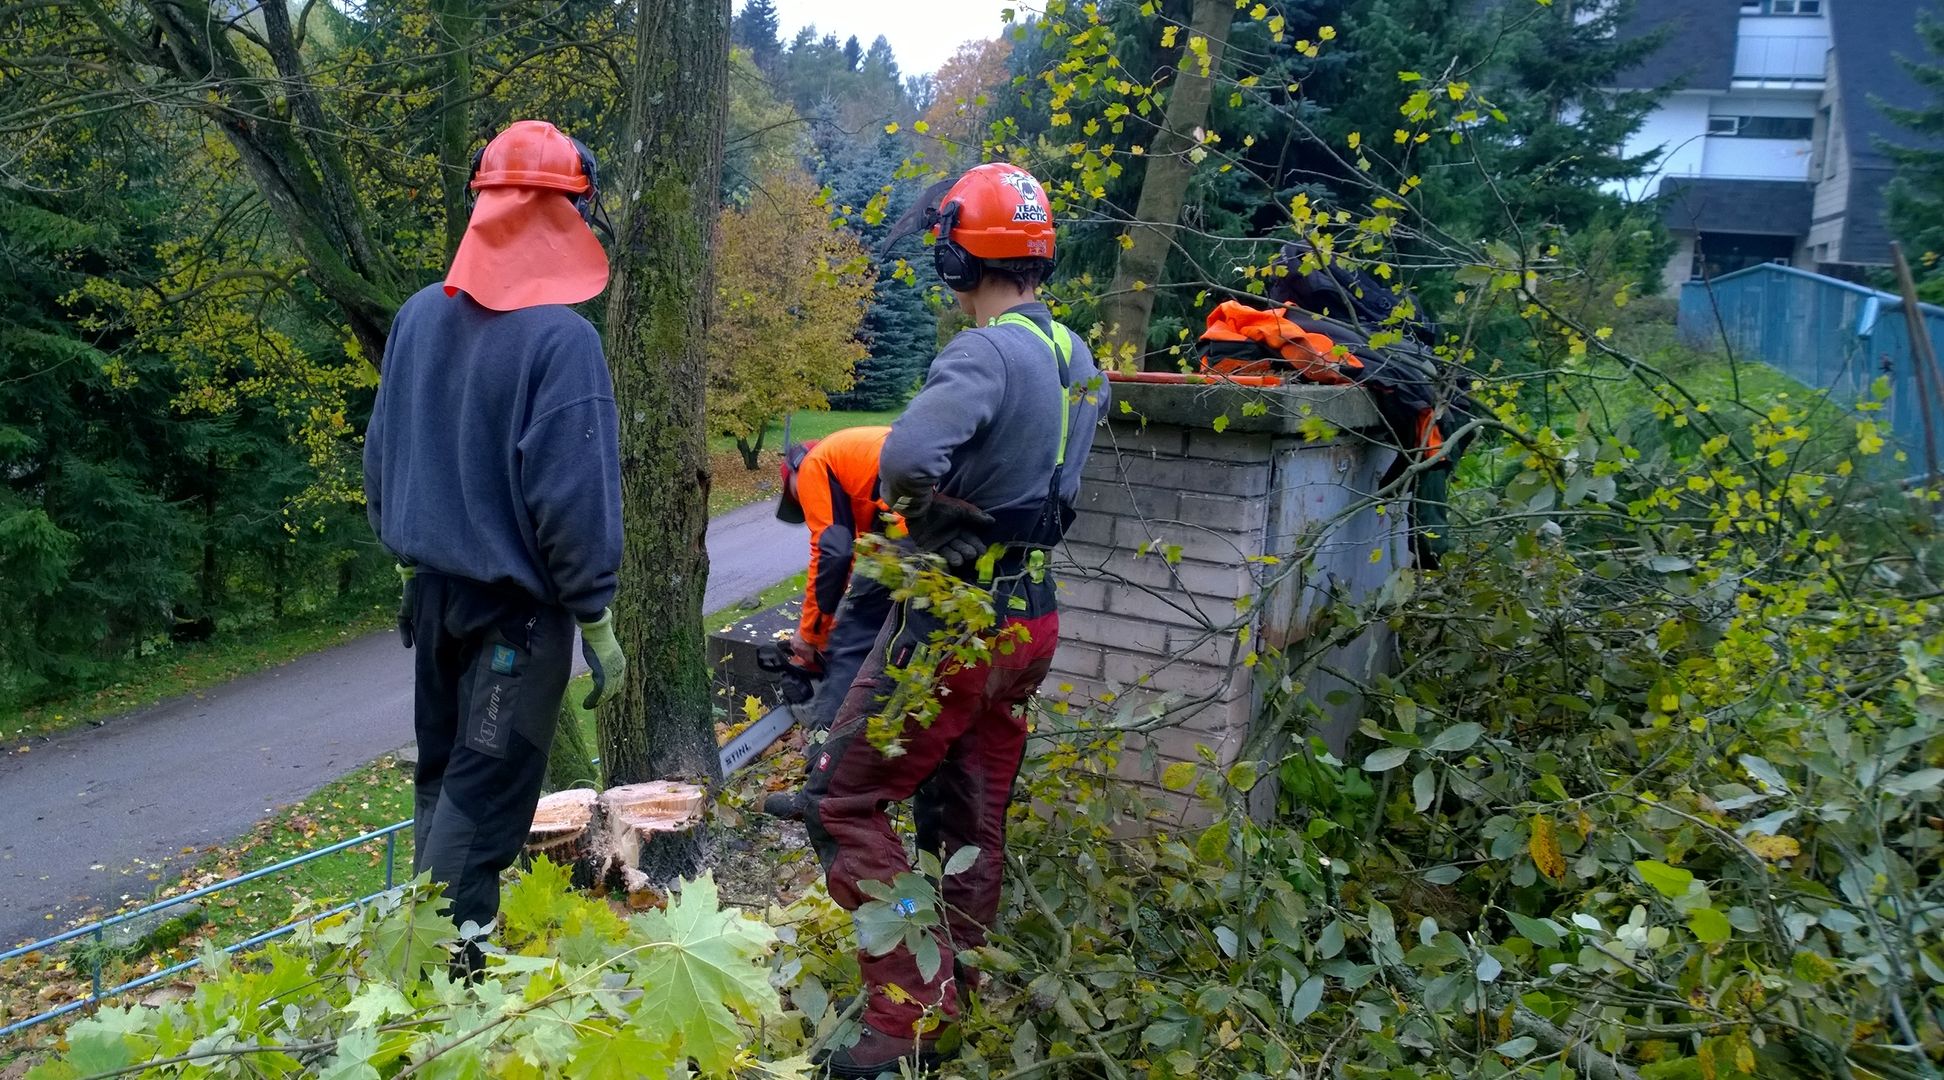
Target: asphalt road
[(85, 817)]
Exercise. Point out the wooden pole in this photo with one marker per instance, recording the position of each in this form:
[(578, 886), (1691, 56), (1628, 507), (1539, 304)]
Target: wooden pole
[(1923, 357)]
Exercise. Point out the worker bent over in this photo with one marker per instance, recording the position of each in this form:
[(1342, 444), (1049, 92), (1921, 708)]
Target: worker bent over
[(831, 485), (492, 473), (987, 454)]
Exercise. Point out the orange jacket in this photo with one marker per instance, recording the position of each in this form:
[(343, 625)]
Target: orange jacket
[(837, 487), (1242, 340)]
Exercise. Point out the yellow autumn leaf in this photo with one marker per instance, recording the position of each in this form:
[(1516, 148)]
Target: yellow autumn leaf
[(1773, 848), (1545, 848)]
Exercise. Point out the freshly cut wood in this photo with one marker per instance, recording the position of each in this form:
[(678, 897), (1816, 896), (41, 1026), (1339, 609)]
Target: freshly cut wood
[(654, 829), (561, 818), (626, 840)]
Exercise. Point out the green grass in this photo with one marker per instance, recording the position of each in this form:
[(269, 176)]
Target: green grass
[(770, 597), (180, 669), (1736, 393), (805, 426)]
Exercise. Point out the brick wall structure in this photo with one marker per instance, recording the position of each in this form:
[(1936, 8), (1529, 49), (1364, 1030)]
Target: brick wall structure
[(1194, 547)]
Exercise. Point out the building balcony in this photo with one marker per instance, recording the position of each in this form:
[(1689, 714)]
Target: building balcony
[(1736, 205), (1780, 61)]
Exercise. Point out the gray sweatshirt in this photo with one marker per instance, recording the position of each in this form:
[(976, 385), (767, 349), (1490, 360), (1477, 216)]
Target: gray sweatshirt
[(986, 426)]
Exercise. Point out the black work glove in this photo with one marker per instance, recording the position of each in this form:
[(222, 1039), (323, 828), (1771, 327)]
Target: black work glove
[(949, 528), (798, 684), (771, 658)]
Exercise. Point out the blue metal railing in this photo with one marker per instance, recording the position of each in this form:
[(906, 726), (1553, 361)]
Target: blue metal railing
[(95, 931), (1827, 334)]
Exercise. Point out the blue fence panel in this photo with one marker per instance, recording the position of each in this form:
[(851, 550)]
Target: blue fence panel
[(1827, 334)]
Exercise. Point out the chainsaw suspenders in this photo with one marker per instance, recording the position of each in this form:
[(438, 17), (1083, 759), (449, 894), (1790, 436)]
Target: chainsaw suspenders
[(1061, 345), (1047, 524)]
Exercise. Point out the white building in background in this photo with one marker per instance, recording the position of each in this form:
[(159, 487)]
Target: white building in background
[(1769, 147)]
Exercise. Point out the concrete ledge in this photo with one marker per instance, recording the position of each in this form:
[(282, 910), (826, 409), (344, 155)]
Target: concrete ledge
[(1283, 409)]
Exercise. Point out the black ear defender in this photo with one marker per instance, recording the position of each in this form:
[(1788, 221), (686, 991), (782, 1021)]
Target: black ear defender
[(589, 202), (958, 268)]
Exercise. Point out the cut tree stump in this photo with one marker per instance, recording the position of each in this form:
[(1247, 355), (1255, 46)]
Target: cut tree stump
[(632, 840)]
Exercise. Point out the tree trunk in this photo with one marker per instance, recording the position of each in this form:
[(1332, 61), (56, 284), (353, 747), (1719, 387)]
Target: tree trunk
[(661, 726), (279, 559), (1164, 188), (208, 589), (456, 20), (752, 452)]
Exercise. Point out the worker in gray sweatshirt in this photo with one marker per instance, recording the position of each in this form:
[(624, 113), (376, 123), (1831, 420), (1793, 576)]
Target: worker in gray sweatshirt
[(984, 461), (492, 474)]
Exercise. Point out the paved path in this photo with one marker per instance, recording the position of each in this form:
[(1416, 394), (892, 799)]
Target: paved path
[(86, 816)]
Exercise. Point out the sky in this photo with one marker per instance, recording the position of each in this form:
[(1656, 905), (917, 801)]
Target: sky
[(922, 32)]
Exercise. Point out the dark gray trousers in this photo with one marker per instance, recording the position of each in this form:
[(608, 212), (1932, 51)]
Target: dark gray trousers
[(492, 665)]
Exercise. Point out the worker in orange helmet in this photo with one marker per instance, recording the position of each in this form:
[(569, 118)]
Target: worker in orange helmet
[(984, 461), (492, 474), (830, 485)]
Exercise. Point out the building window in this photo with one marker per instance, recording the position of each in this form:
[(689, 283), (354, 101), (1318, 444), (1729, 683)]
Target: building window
[(1716, 254), (1761, 127), (1791, 7)]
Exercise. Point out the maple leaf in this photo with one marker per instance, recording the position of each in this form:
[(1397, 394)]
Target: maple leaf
[(352, 1061), (624, 1054), (377, 1002), (704, 969), (537, 903)]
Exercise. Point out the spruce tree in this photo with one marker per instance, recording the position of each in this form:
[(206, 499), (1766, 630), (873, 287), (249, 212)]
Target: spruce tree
[(93, 541), (1916, 196), (901, 328), (755, 29)]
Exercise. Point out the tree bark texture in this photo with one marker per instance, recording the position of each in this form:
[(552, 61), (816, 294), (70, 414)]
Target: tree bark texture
[(661, 726), (456, 20), (1164, 189)]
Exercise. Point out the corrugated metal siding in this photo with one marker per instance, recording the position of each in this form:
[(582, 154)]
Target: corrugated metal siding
[(1826, 334)]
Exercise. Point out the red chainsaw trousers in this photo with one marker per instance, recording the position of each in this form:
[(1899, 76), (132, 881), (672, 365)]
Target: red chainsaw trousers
[(973, 747)]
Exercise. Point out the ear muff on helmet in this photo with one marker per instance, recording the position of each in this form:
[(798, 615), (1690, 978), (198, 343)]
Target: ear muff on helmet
[(958, 268), (588, 202)]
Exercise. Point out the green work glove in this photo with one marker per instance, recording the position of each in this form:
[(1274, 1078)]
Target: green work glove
[(604, 659), (405, 576)]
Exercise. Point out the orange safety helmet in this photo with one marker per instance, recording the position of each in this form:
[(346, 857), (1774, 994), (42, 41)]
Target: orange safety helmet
[(528, 242), (995, 214)]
